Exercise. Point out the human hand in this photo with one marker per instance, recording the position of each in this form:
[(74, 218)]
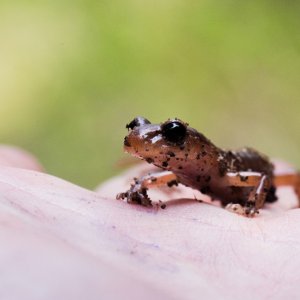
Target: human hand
[(61, 241)]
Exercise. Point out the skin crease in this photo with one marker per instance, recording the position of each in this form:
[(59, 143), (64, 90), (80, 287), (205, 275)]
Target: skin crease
[(60, 241)]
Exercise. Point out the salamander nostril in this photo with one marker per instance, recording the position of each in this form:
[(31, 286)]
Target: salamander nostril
[(136, 122), (126, 142)]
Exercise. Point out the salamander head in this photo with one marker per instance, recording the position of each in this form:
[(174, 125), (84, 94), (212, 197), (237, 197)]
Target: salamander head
[(169, 145)]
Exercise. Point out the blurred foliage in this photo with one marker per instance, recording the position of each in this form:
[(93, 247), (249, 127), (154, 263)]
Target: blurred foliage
[(73, 73)]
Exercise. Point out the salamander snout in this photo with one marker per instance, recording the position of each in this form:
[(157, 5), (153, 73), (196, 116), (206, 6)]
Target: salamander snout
[(136, 122)]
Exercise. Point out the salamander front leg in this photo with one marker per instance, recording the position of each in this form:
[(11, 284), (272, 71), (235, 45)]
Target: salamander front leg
[(138, 190), (261, 184)]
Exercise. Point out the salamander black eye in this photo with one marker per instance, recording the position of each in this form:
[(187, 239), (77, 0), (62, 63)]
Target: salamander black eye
[(174, 131)]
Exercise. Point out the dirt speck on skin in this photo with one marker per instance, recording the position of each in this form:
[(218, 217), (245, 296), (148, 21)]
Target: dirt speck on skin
[(244, 178), (172, 183), (165, 164), (149, 160)]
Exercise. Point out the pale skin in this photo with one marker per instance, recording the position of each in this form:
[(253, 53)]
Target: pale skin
[(60, 241)]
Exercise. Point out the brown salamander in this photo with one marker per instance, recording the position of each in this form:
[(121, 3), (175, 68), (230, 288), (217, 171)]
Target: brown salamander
[(243, 180)]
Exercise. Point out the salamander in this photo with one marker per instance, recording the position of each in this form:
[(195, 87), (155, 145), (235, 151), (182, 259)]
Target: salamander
[(243, 179)]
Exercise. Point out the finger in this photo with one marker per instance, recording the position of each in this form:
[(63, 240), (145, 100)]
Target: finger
[(94, 245), (182, 252), (234, 254), (56, 241), (16, 157)]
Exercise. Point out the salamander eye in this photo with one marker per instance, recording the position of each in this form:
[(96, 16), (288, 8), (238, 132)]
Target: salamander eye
[(174, 131)]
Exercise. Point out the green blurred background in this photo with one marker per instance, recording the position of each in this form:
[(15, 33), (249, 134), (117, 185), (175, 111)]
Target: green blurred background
[(73, 73)]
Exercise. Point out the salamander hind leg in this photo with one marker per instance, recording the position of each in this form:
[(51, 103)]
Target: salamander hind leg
[(260, 184), (258, 195), (138, 191)]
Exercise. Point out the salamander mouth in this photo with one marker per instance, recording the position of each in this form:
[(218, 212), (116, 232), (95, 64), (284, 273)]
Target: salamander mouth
[(132, 144), (143, 143)]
